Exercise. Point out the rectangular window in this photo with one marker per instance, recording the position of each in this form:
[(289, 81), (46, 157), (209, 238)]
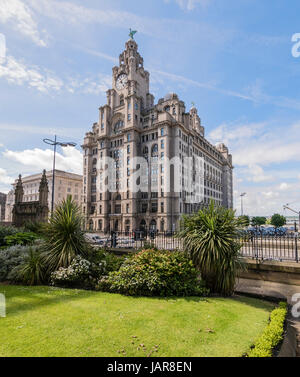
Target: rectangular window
[(161, 132), (118, 208), (154, 207), (162, 144)]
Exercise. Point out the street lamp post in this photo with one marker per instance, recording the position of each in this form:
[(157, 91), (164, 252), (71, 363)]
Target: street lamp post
[(242, 195), (54, 143)]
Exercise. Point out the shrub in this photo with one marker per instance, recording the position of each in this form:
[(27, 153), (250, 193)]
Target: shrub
[(81, 273), (21, 239), (106, 258), (211, 239), (34, 227), (32, 270), (64, 237), (272, 334), (11, 258), (154, 273), (6, 231)]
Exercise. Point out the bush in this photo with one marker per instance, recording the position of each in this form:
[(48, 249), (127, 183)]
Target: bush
[(34, 227), (6, 231), (110, 261), (272, 334), (155, 273), (32, 270), (21, 239), (11, 258), (81, 274)]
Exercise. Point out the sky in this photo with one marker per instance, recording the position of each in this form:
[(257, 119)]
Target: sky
[(237, 60)]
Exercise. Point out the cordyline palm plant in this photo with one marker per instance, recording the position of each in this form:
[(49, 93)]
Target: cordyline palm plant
[(64, 236), (211, 238), (32, 270)]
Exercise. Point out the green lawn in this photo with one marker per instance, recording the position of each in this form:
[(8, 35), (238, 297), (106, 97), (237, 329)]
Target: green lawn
[(44, 321)]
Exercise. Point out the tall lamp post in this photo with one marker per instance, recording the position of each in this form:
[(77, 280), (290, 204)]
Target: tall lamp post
[(54, 143), (242, 195)]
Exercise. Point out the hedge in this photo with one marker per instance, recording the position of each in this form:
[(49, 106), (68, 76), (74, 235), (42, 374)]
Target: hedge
[(272, 334)]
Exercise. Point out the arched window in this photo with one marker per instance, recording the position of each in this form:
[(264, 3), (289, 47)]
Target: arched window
[(121, 100), (153, 225), (145, 150), (154, 151), (118, 197), (95, 161)]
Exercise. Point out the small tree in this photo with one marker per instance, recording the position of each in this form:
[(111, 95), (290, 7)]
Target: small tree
[(211, 238), (278, 220), (244, 220), (64, 236), (258, 221)]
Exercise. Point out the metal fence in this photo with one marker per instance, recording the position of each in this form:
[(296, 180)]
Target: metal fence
[(278, 248)]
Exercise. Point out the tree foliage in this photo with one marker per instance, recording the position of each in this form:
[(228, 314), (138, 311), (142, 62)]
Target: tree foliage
[(244, 220), (278, 220), (258, 221)]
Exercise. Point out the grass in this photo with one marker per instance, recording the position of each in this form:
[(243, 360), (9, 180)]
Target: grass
[(44, 321)]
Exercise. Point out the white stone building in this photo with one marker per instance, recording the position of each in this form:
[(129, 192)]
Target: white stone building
[(130, 125), (64, 184)]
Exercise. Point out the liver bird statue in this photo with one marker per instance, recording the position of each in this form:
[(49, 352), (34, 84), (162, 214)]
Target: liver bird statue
[(132, 33)]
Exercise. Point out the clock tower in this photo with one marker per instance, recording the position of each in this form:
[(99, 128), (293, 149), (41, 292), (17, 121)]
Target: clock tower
[(130, 88)]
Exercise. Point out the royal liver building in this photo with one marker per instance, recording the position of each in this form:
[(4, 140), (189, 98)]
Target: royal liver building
[(146, 164)]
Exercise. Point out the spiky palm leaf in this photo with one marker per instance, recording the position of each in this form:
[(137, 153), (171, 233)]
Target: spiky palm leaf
[(32, 271), (64, 236), (211, 238)]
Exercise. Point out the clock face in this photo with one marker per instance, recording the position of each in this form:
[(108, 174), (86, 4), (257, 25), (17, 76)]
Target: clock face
[(121, 81)]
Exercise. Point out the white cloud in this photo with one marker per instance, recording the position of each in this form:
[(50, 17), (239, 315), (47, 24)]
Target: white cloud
[(284, 186), (17, 72), (257, 174), (260, 143), (5, 178), (35, 130), (45, 81), (181, 79), (227, 133), (265, 200), (67, 12), (190, 4), (70, 160), (18, 15)]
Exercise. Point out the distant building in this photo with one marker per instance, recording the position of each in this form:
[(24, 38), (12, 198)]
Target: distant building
[(2, 206), (65, 184), (31, 211)]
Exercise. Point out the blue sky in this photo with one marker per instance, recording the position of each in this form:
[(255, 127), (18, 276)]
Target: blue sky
[(232, 58)]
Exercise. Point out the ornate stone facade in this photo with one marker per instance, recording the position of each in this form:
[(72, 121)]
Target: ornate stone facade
[(33, 211), (132, 125), (2, 206), (65, 184)]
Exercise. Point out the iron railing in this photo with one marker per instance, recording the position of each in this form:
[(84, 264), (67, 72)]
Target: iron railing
[(278, 248)]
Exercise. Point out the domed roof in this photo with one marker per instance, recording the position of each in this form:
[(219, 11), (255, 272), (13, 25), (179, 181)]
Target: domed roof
[(169, 96)]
